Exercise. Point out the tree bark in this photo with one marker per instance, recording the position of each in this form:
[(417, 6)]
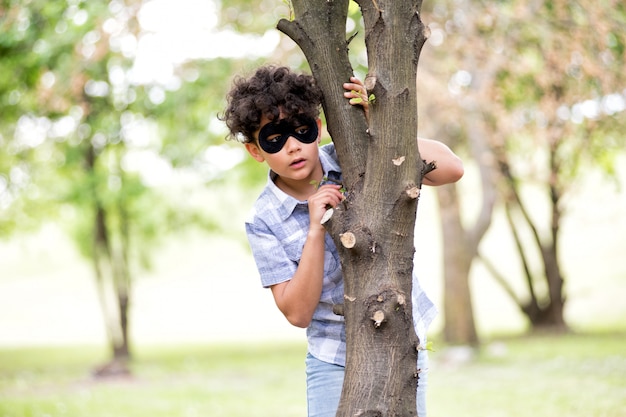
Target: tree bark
[(381, 199)]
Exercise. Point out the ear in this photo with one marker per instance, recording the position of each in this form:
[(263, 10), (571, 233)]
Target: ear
[(254, 151)]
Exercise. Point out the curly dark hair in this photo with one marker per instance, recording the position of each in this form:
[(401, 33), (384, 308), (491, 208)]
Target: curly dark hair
[(268, 92)]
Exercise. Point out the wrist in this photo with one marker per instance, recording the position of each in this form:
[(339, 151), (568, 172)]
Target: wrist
[(316, 230)]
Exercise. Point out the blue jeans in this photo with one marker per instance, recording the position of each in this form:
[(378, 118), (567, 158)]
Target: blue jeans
[(325, 380)]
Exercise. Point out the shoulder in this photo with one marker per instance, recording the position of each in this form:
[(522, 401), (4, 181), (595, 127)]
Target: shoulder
[(328, 157), (264, 205), (272, 207), (329, 150)]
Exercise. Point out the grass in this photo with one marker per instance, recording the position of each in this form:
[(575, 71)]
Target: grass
[(578, 375), (568, 375), (183, 381)]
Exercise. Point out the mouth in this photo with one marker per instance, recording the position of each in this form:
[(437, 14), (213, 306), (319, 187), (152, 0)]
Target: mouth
[(298, 162)]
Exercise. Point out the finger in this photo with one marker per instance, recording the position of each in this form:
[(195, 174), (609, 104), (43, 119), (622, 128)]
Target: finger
[(330, 187), (349, 89), (329, 194), (354, 87), (356, 97)]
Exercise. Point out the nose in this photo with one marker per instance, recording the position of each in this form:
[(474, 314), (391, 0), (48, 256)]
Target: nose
[(292, 144)]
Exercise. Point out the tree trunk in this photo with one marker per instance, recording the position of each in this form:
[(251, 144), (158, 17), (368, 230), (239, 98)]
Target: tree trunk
[(111, 276), (549, 316), (459, 327), (373, 228), (543, 312), (122, 279), (468, 124)]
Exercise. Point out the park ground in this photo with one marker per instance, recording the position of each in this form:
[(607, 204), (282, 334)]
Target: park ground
[(208, 340)]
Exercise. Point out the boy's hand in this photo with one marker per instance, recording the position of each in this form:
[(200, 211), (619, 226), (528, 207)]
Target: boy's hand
[(357, 94), (327, 195)]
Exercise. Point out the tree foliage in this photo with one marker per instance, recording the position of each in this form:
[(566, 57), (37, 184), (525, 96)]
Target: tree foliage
[(540, 96), (85, 142)]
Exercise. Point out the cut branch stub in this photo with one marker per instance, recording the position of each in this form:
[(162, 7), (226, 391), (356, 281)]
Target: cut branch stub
[(370, 82), (413, 191), (387, 306), (348, 240), (426, 32), (401, 299), (338, 309), (378, 318), (327, 215), (358, 239)]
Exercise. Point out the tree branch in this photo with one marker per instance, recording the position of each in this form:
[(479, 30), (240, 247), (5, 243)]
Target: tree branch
[(522, 254), (499, 278), (319, 29)]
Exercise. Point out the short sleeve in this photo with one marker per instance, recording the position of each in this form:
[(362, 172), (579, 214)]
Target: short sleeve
[(274, 263)]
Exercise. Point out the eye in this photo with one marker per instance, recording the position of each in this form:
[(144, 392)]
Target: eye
[(302, 130), (272, 138)]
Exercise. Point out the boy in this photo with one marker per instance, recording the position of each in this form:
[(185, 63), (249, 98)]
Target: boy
[(275, 113)]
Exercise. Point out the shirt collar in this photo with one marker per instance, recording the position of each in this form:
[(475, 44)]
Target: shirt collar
[(286, 203)]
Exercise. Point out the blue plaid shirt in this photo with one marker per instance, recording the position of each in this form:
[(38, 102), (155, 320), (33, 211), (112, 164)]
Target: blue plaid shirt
[(277, 229)]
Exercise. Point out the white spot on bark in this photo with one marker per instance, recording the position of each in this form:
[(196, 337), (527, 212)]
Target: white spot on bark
[(398, 161)]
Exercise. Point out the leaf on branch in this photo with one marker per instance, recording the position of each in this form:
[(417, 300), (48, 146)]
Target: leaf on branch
[(356, 100), (292, 15), (429, 347)]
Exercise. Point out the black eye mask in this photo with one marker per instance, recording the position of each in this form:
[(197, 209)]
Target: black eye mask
[(304, 129)]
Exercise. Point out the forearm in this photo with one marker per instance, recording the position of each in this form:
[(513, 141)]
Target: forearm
[(449, 166), (298, 298)]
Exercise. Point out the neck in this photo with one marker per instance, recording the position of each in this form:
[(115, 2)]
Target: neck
[(302, 189), (299, 190)]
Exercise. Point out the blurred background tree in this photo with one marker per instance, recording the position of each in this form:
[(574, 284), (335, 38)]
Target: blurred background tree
[(108, 148), (534, 91), (120, 149)]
